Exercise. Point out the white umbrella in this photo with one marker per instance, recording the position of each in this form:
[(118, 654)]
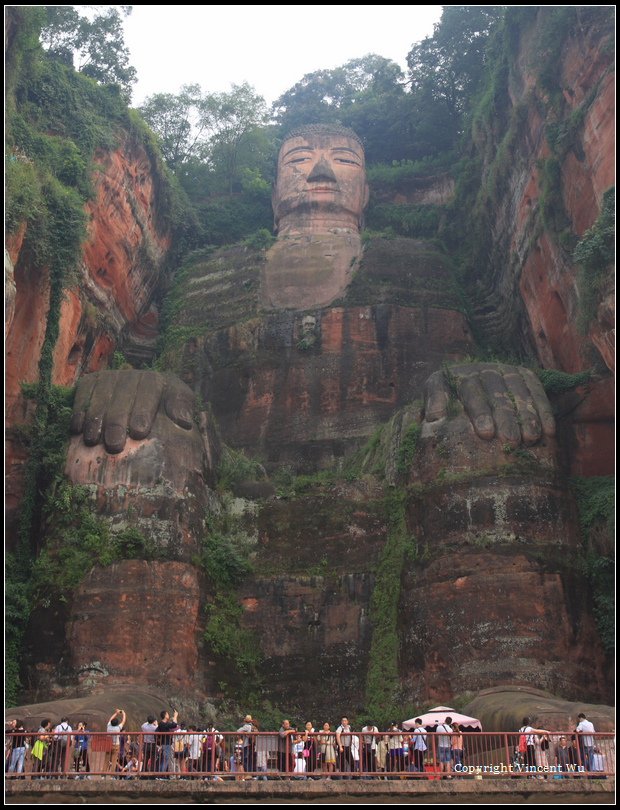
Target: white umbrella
[(439, 714)]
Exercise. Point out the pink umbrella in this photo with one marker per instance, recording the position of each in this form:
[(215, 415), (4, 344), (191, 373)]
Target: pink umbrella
[(439, 714)]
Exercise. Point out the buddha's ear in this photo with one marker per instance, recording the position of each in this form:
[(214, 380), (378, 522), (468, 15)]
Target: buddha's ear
[(366, 195)]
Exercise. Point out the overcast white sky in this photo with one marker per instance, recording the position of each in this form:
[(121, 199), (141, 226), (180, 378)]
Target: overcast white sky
[(271, 47)]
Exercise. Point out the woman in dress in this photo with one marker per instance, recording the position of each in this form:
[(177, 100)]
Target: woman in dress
[(328, 749)]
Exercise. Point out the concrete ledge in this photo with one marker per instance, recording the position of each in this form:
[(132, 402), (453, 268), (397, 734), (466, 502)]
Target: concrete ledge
[(186, 791)]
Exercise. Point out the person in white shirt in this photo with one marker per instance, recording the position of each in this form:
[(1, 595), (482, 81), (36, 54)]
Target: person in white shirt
[(395, 746), (369, 748), (530, 742), (419, 746), (355, 752), (60, 744), (116, 724), (343, 743), (298, 754), (586, 742), (149, 749), (444, 745)]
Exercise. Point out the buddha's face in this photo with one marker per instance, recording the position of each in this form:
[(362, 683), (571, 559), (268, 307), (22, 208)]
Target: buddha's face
[(321, 183)]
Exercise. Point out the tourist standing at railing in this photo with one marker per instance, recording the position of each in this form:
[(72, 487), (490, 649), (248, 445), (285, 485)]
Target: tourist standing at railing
[(419, 746), (529, 733), (116, 724), (299, 761), (18, 747), (149, 748), (194, 748), (565, 755), (586, 743), (541, 745), (599, 765), (310, 749), (444, 745), (212, 755), (248, 743), (327, 746), (80, 750), (9, 728), (369, 748), (457, 745), (407, 749), (284, 746), (235, 761), (383, 753), (355, 752), (163, 738), (262, 746), (395, 746), (60, 744), (179, 748), (343, 742), (40, 749)]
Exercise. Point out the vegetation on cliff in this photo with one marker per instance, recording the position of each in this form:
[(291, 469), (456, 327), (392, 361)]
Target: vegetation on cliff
[(596, 503), (450, 113), (383, 698), (56, 121), (595, 255)]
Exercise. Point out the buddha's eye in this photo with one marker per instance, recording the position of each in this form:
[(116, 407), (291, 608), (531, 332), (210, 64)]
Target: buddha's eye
[(347, 162), (298, 160)]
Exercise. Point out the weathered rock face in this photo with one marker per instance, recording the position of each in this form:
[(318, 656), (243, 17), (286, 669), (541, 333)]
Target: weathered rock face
[(150, 465), (494, 595), (308, 605), (304, 388), (309, 270), (121, 268), (432, 190), (503, 707), (496, 602), (531, 263), (137, 622)]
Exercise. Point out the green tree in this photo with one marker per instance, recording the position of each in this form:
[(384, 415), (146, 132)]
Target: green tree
[(181, 122), (94, 45), (237, 115), (367, 94), (446, 69), (208, 138)]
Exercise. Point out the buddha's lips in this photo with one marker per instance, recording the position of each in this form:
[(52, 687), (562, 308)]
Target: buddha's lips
[(323, 189)]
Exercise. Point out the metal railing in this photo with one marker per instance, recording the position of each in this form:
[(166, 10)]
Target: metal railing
[(319, 755)]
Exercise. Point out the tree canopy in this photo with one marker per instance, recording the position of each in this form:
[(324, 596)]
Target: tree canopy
[(196, 127), (94, 45)]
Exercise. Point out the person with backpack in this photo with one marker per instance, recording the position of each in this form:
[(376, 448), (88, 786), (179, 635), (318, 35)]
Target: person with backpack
[(60, 743), (211, 742), (444, 746), (527, 743), (418, 743)]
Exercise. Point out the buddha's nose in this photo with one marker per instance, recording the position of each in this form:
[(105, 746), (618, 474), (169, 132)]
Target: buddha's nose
[(322, 171)]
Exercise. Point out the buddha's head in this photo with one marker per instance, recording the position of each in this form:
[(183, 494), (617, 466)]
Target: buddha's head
[(321, 181)]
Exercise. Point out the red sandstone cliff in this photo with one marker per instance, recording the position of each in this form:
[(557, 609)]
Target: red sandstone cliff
[(119, 272), (531, 261)]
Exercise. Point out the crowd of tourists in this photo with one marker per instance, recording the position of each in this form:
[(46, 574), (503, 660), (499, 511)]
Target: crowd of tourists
[(168, 746)]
